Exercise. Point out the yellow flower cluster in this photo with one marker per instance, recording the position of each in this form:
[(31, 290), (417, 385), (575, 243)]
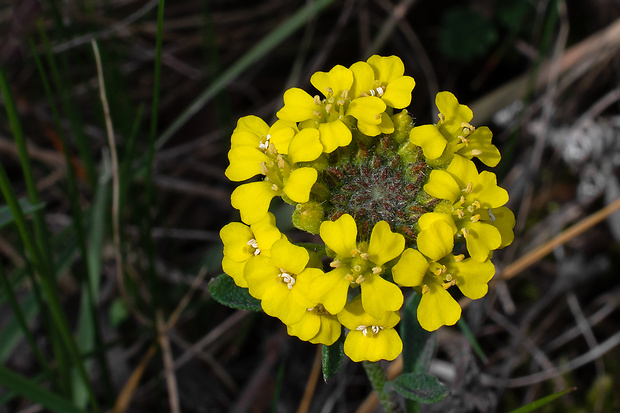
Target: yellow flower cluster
[(388, 200)]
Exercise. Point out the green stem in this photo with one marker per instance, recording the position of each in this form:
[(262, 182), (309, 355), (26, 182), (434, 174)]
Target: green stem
[(377, 378)]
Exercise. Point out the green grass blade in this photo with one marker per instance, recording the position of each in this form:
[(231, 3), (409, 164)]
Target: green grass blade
[(13, 330), (537, 404), (29, 389), (6, 217), (263, 47), (472, 340)]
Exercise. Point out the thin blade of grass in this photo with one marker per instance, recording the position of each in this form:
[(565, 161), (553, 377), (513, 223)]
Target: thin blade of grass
[(19, 384), (263, 47), (537, 404), (40, 253), (6, 217)]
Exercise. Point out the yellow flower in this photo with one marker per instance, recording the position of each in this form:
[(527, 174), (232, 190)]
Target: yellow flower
[(433, 268), (370, 338), (474, 197), (253, 199), (253, 143), (359, 264), (382, 77), (242, 242), (454, 134), (327, 114), (316, 326), (281, 281)]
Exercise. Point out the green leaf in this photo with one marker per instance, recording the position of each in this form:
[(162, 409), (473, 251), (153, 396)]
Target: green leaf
[(332, 357), (542, 402), (6, 216), (418, 344), (420, 387), (224, 290), (27, 388)]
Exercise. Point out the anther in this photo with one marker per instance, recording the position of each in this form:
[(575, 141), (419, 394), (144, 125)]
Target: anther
[(317, 114), (476, 152), (470, 187), (460, 213), (252, 243), (345, 94), (459, 258), (317, 100), (467, 127), (441, 117), (464, 140), (340, 102), (288, 279), (476, 204), (349, 277), (425, 289), (335, 264), (376, 270), (360, 279), (280, 161), (440, 271), (475, 218), (372, 92), (263, 168), (329, 90), (465, 232), (274, 187), (462, 200), (380, 91), (328, 107), (364, 256), (355, 252)]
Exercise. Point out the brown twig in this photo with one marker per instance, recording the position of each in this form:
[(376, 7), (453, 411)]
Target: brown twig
[(304, 405)]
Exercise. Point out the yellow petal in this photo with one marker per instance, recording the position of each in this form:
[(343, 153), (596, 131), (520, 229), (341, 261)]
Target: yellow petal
[(385, 345), (331, 290), (482, 238), (305, 146), (252, 200), (298, 106), (235, 237), (472, 276), (437, 241), (363, 79), (387, 68), (289, 257), (340, 235), (429, 139), (367, 109), (442, 185), (380, 296), (437, 308), (338, 79), (307, 327), (278, 302), (426, 220), (329, 331), (299, 184), (398, 92), (410, 269), (480, 141), (334, 134), (504, 220), (385, 245), (235, 270), (245, 163)]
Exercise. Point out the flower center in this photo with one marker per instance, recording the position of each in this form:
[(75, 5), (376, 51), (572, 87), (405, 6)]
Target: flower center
[(369, 331), (287, 279), (254, 244), (376, 183)]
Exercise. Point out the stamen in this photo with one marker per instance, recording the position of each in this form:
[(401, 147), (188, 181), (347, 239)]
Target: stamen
[(470, 187), (263, 168), (442, 118), (460, 213), (364, 94), (425, 289), (252, 243), (372, 92), (317, 114), (349, 277), (280, 161), (476, 152), (467, 127), (376, 329), (330, 91), (317, 100), (360, 279), (491, 215), (364, 256), (380, 91), (377, 270), (288, 279), (462, 200), (328, 107), (340, 102), (465, 232), (459, 258), (345, 94), (476, 204), (274, 187), (464, 140), (354, 252), (335, 264), (440, 271), (475, 218)]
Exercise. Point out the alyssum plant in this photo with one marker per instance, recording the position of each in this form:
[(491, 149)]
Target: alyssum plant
[(395, 205)]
